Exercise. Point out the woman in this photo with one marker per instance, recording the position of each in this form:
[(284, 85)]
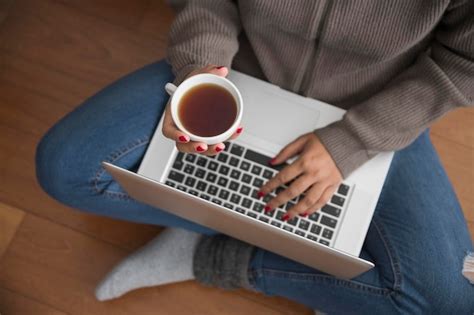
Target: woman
[(395, 67)]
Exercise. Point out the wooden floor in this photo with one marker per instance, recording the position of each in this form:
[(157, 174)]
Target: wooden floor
[(54, 54)]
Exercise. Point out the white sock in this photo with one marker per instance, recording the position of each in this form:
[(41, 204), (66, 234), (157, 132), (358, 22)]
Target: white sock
[(168, 258)]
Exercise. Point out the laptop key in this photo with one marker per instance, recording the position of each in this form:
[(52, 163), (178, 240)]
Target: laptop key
[(270, 213), (246, 203), (211, 177), (234, 161), (287, 228), (314, 216), (298, 232), (304, 225), (176, 176), (212, 190), (316, 229), (258, 207), (331, 210), (193, 192), (240, 210), (279, 215), (263, 219), (201, 186), (255, 194), (201, 161), (327, 234), (237, 150), (235, 174), (328, 221), (293, 221), (289, 205), (267, 198), (262, 159), (275, 223), (212, 166), (245, 190), (178, 165), (235, 198), (267, 174), (182, 188), (222, 181), (189, 169), (229, 206), (190, 158), (245, 166), (170, 183), (222, 157), (343, 190), (251, 214), (190, 182), (224, 194), (311, 237), (324, 242), (205, 197), (256, 170), (224, 170), (179, 156), (200, 173), (234, 186), (247, 178), (217, 201), (257, 182), (337, 200)]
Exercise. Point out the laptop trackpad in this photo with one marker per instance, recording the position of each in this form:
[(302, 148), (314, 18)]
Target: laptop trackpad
[(277, 119)]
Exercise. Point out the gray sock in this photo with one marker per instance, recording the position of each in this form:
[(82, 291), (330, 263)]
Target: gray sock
[(222, 261), (166, 259)]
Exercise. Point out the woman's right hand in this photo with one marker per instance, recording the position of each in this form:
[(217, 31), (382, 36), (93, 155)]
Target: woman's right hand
[(183, 143)]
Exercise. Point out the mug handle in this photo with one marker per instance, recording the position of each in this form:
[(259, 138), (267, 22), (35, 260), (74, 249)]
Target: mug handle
[(170, 88)]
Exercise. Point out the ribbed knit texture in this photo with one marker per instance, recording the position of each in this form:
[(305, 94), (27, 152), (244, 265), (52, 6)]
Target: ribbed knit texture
[(396, 66), (222, 262)]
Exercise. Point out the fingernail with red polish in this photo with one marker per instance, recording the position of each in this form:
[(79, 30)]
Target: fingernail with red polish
[(267, 208), (199, 148), (219, 149), (260, 194), (239, 130), (272, 161), (183, 139), (285, 217), (304, 214), (220, 67)]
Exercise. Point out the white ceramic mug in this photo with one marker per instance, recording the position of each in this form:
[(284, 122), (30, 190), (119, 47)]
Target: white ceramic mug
[(177, 93)]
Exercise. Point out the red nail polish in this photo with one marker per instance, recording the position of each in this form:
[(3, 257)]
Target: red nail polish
[(220, 67), (260, 194), (267, 208), (272, 161), (239, 130), (285, 217), (219, 149), (304, 214), (183, 139), (199, 148)]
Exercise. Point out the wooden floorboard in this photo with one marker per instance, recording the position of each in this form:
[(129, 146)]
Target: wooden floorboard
[(60, 267), (53, 55)]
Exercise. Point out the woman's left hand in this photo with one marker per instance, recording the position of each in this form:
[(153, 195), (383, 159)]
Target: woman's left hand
[(314, 173)]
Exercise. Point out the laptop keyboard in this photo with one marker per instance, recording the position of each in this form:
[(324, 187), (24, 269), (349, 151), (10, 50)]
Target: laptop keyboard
[(232, 179)]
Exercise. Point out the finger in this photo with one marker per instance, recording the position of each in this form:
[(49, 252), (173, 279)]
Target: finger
[(324, 199), (289, 151), (295, 189), (237, 133), (192, 147), (312, 196), (284, 176), (218, 70), (170, 130), (214, 149)]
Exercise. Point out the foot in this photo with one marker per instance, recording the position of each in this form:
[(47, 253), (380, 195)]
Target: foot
[(168, 258)]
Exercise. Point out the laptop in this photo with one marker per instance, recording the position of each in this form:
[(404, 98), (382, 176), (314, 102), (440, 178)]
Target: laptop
[(221, 192)]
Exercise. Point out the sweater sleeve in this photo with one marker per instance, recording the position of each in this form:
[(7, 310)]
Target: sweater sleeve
[(204, 33), (440, 80)]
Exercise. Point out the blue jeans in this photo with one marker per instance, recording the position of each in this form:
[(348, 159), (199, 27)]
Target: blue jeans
[(418, 236)]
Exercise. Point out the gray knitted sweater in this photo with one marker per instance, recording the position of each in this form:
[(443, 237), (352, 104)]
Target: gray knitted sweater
[(395, 65)]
